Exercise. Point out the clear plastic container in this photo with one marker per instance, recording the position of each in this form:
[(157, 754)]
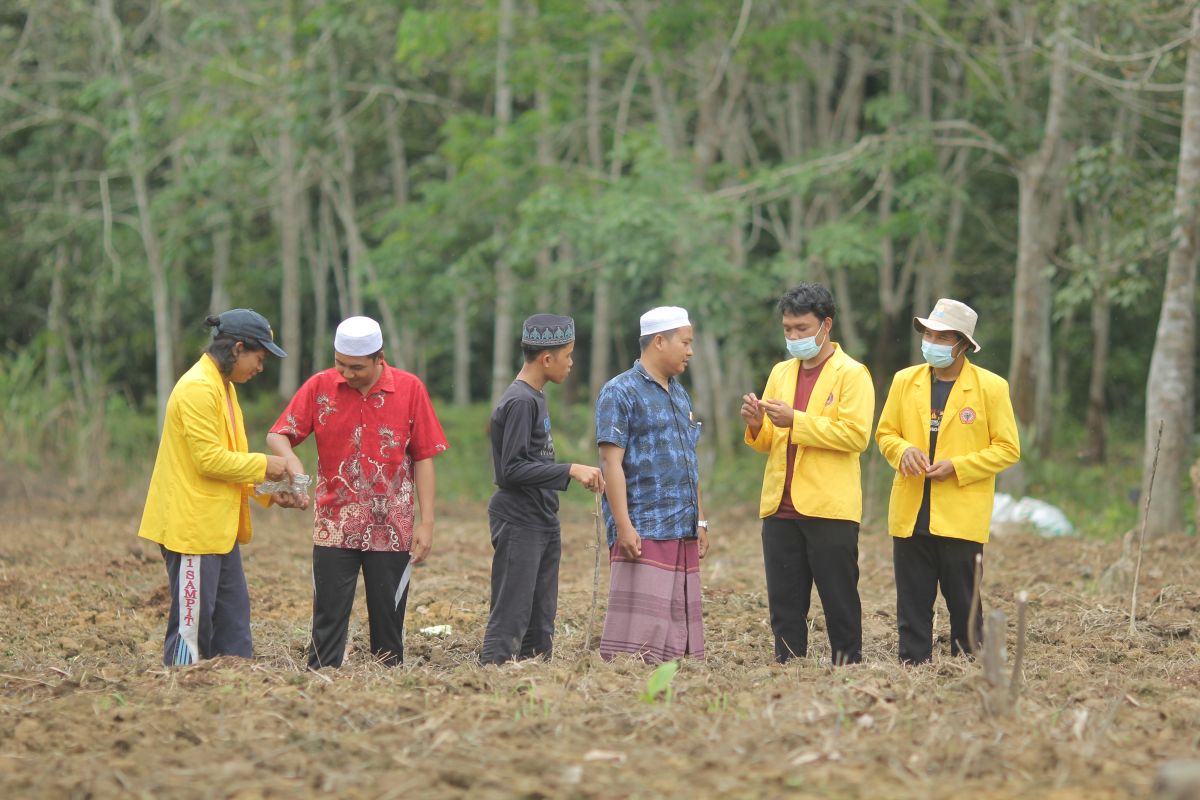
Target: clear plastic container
[(299, 484)]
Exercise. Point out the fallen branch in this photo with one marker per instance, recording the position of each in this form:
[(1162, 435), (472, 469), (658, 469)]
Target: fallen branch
[(7, 677)]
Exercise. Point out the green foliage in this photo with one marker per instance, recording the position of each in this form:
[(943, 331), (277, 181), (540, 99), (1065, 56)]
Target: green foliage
[(721, 162), (845, 245), (465, 469), (32, 420), (1126, 227), (658, 685), (130, 436)]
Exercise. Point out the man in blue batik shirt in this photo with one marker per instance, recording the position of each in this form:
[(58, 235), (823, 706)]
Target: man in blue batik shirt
[(657, 532)]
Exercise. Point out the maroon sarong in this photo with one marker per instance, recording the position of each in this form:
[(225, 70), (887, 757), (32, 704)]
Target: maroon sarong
[(654, 603)]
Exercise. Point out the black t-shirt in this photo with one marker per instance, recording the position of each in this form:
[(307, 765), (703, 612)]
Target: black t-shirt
[(939, 392), (523, 459)]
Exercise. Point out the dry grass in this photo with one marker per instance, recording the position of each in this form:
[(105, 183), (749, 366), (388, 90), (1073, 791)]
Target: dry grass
[(86, 710)]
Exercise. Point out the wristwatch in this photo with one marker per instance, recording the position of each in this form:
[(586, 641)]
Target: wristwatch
[(702, 523)]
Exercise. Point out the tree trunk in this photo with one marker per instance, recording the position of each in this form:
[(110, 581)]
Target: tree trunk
[(461, 368), (892, 337), (164, 367), (462, 349), (346, 206), (503, 331), (662, 102), (397, 158), (331, 249), (318, 266), (562, 302), (288, 220), (54, 320), (218, 299), (398, 162), (1097, 407), (544, 259), (1041, 189), (506, 280), (360, 263), (601, 349), (599, 365), (1170, 388)]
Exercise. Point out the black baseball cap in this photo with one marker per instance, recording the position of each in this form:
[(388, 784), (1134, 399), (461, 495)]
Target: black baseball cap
[(246, 323)]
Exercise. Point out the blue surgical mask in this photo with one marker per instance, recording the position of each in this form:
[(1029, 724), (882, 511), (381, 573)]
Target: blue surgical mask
[(804, 349), (938, 356)]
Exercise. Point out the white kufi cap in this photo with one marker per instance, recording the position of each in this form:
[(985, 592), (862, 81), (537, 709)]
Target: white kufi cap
[(664, 318), (358, 336)]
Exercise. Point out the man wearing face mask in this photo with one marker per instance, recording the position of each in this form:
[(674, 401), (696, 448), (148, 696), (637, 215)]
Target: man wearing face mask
[(813, 422), (941, 504)]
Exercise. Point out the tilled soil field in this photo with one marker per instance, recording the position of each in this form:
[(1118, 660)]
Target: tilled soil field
[(87, 710)]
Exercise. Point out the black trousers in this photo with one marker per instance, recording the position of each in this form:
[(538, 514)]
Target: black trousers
[(335, 578), (524, 593), (798, 553), (923, 565)]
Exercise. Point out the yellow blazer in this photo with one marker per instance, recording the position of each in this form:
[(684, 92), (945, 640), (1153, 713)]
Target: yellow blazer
[(829, 435), (203, 474), (978, 434)]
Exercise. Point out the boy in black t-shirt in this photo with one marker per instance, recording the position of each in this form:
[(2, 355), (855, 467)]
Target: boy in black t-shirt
[(523, 513)]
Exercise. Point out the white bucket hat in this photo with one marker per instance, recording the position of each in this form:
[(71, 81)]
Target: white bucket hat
[(950, 315)]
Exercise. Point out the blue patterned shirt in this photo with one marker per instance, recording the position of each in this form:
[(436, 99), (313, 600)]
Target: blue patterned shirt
[(656, 429)]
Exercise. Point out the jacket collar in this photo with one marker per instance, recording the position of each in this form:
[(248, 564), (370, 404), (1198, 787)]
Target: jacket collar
[(967, 379), (211, 373), (821, 389), (960, 396), (835, 362)]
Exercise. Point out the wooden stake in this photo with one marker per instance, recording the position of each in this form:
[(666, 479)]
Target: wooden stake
[(973, 614), (1014, 681), (1142, 538), (994, 629), (587, 641)]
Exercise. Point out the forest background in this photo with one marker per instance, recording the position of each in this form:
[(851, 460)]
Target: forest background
[(450, 167)]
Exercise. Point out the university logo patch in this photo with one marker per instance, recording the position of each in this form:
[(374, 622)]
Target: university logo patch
[(966, 416)]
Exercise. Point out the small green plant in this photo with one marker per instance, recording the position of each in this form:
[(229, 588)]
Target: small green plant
[(659, 683), (110, 701), (533, 707), (718, 704)]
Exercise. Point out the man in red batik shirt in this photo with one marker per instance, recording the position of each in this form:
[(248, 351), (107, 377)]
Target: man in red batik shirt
[(376, 434)]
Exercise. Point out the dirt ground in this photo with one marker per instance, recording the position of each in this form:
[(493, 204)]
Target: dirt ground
[(87, 710)]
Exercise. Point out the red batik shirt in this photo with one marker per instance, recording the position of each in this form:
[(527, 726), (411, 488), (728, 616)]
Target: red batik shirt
[(366, 447)]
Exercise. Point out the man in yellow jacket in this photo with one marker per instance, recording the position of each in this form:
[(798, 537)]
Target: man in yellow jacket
[(813, 422), (196, 508), (947, 429)]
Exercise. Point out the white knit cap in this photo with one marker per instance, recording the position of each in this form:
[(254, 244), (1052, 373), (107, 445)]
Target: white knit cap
[(358, 336), (664, 318)]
